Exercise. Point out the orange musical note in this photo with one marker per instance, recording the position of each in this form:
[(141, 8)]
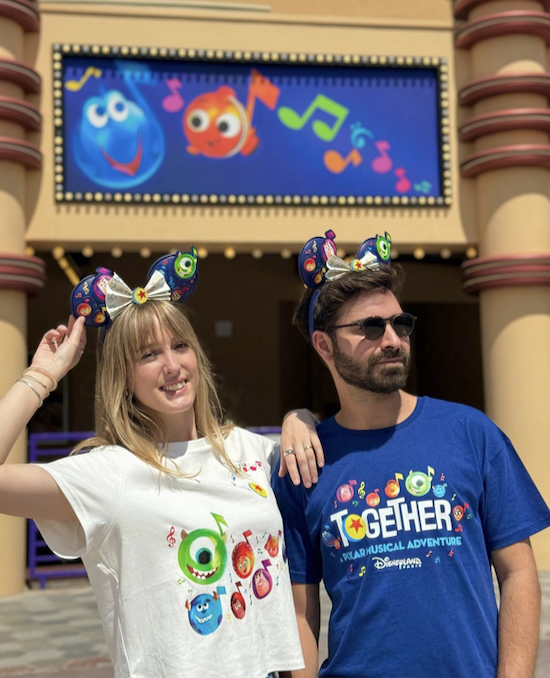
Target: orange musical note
[(451, 553), (76, 85), (170, 538), (262, 89), (336, 164), (362, 571), (382, 163), (173, 102), (428, 554), (351, 568), (321, 129), (403, 185), (442, 477), (459, 528)]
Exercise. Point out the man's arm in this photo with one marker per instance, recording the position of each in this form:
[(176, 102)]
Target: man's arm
[(308, 614), (519, 616)]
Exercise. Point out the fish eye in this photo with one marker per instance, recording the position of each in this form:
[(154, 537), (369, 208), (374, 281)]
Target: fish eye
[(118, 107), (198, 120), (228, 125), (97, 115)]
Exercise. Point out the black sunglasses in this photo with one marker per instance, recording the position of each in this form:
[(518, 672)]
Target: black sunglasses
[(373, 328)]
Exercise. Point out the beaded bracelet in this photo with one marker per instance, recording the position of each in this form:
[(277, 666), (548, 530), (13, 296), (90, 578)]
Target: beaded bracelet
[(41, 383), (41, 370), (40, 399)]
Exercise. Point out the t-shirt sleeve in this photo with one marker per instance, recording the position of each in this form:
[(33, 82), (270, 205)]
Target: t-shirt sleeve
[(92, 483), (513, 507), (302, 546)]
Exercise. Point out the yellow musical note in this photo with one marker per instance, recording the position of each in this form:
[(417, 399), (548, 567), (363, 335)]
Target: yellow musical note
[(293, 120), (431, 472), (76, 85), (362, 571), (399, 476), (361, 490)]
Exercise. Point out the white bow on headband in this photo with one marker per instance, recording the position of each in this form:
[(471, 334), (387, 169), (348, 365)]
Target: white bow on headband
[(337, 267), (118, 295)]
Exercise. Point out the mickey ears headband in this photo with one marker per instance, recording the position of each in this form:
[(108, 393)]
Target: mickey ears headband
[(101, 297), (318, 263)]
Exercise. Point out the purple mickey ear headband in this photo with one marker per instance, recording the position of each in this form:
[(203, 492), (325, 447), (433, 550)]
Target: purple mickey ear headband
[(101, 297), (318, 263)]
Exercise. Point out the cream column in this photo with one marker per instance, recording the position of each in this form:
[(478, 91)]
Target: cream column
[(510, 157), (19, 274)]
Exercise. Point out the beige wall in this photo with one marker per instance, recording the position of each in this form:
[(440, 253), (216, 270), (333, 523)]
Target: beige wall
[(429, 33)]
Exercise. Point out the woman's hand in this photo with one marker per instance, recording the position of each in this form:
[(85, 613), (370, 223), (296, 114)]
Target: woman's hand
[(303, 448), (60, 349)]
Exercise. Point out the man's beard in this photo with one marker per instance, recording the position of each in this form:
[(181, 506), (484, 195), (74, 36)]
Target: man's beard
[(373, 377)]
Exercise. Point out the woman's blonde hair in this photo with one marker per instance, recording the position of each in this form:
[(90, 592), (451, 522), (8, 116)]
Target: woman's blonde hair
[(122, 420)]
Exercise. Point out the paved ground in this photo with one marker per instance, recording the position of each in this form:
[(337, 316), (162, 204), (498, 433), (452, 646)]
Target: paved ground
[(56, 633)]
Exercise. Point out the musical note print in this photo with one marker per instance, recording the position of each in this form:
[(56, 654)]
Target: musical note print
[(351, 568), (77, 85), (170, 538), (438, 559), (321, 129), (261, 89), (362, 571), (453, 497), (335, 504), (172, 103), (442, 478), (358, 134), (403, 185), (423, 187), (336, 164), (382, 163), (361, 490), (429, 554), (459, 528), (451, 553), (355, 502)]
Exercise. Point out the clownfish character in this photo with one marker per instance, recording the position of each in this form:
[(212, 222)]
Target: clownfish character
[(217, 125)]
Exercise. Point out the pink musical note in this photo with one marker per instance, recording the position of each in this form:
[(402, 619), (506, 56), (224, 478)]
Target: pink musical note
[(451, 553), (459, 528), (170, 538), (335, 504), (403, 185), (428, 554), (442, 476), (336, 164), (351, 568), (382, 163), (173, 102)]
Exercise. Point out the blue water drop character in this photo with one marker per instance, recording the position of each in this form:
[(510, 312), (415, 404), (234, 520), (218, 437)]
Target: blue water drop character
[(119, 143), (205, 613), (439, 490)]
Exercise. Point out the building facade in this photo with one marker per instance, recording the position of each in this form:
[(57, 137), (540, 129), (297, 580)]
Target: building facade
[(427, 120)]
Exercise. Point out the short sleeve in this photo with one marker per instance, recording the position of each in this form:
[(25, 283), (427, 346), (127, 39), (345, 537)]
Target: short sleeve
[(92, 483), (302, 546), (513, 508)]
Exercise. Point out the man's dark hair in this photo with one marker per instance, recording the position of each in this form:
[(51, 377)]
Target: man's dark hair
[(333, 295)]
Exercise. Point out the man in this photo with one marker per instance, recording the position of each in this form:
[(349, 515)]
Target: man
[(416, 500)]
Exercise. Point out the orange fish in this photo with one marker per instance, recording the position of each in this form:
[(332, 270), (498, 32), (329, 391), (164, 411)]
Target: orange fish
[(217, 125)]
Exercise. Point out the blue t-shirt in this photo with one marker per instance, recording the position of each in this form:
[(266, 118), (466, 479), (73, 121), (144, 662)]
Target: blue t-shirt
[(400, 527)]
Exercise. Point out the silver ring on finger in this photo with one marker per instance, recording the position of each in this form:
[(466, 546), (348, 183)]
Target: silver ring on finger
[(308, 447), (53, 342), (287, 452)]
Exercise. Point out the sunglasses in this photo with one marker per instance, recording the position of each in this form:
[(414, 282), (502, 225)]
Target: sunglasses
[(373, 328)]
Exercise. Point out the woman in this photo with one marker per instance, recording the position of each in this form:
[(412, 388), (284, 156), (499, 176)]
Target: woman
[(171, 511)]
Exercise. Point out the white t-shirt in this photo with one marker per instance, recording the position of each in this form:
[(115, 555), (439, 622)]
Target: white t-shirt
[(190, 574)]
